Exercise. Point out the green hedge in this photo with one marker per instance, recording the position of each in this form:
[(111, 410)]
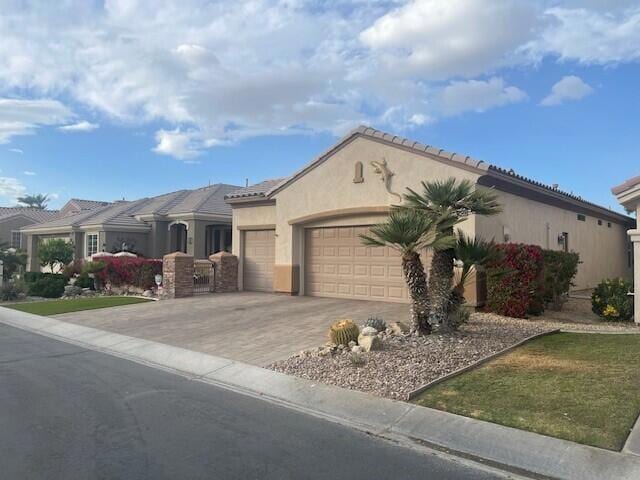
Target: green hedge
[(560, 268), (47, 285)]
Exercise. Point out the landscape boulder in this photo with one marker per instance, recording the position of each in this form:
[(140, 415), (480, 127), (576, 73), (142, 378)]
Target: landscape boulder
[(399, 328)]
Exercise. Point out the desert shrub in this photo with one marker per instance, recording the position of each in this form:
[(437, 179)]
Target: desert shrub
[(129, 271), (50, 285), (376, 322), (515, 281), (610, 300), (560, 268), (85, 281), (10, 291), (73, 268), (93, 267), (55, 253)]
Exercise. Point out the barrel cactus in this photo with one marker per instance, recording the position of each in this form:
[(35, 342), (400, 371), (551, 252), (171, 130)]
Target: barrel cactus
[(343, 331), (377, 323)]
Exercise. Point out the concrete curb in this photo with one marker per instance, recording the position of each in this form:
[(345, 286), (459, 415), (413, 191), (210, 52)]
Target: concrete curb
[(486, 443), (413, 394)]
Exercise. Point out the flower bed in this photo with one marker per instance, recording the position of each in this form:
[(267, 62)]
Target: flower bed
[(408, 362)]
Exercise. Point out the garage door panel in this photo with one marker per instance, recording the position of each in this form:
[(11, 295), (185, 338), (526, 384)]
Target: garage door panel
[(258, 260), (338, 265)]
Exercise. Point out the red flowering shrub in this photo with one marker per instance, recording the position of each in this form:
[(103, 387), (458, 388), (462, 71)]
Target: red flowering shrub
[(515, 281), (136, 272)]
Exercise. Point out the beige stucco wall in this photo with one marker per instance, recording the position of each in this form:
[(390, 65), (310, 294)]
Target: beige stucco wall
[(602, 250), (330, 187)]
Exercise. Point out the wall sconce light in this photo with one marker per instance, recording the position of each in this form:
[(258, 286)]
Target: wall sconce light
[(190, 240), (506, 234)]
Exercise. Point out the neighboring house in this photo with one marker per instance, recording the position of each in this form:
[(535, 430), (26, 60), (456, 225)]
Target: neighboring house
[(628, 194), (12, 219), (300, 235), (197, 222)]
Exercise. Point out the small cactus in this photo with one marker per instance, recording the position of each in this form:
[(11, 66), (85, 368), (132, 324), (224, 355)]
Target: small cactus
[(343, 331), (378, 323)]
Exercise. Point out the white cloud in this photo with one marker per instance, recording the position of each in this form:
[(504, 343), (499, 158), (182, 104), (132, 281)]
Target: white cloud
[(17, 150), (568, 88), (591, 37), (478, 96), (440, 39), (274, 67), (83, 126), (29, 173), (11, 188), (23, 117), (178, 144)]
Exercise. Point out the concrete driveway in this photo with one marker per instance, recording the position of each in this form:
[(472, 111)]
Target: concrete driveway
[(256, 328)]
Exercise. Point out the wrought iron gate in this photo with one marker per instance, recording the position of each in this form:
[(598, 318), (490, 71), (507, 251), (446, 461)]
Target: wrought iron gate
[(203, 277)]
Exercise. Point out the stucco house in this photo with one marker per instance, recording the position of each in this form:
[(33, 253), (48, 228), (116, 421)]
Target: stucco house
[(628, 194), (197, 222), (299, 235), (12, 219)]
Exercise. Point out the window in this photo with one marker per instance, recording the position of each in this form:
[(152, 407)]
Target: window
[(599, 222), (582, 218), (16, 240), (92, 244), (609, 224)]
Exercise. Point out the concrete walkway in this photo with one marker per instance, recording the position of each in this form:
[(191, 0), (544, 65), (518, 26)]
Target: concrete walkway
[(516, 450), (256, 328)]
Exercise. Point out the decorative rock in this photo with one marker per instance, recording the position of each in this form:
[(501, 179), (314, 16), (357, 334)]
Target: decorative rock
[(357, 349), (72, 291), (368, 332), (399, 328), (352, 344), (368, 342), (147, 293)]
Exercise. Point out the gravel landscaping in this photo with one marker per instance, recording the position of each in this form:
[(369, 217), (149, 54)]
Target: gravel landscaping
[(408, 362)]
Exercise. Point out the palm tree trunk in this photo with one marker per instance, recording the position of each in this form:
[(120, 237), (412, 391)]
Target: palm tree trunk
[(417, 283), (440, 284)]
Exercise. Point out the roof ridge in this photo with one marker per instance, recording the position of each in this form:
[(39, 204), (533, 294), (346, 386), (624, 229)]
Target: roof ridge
[(208, 196)]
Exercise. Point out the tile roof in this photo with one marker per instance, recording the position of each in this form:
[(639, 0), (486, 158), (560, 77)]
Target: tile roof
[(207, 200), (627, 185), (257, 190), (87, 204), (35, 214), (270, 187)]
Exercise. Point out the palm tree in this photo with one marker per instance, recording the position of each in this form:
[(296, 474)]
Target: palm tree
[(470, 254), (410, 232), (38, 201), (448, 200)]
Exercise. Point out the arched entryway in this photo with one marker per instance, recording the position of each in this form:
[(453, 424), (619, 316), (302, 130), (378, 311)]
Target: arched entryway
[(178, 237)]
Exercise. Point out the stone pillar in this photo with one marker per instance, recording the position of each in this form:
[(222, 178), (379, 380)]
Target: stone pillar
[(177, 275), (226, 268)]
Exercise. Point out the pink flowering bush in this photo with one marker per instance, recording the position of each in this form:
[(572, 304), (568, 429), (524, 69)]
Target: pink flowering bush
[(129, 271), (515, 281)]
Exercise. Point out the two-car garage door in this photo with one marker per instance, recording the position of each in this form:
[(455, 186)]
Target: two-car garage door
[(337, 264)]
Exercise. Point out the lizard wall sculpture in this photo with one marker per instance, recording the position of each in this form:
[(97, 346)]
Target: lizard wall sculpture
[(382, 169)]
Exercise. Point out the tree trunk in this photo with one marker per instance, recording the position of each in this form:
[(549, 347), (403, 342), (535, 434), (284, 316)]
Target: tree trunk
[(440, 284), (417, 283)]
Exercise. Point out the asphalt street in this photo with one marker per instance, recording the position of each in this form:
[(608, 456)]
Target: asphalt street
[(68, 413)]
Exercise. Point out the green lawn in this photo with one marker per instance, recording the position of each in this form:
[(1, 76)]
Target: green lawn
[(55, 307), (580, 387)]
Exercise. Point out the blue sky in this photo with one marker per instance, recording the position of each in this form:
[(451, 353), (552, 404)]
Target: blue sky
[(107, 100)]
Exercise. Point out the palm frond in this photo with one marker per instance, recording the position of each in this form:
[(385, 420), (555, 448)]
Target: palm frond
[(460, 198), (404, 230)]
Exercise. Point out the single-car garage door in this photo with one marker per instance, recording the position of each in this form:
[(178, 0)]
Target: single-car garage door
[(337, 264), (258, 259)]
